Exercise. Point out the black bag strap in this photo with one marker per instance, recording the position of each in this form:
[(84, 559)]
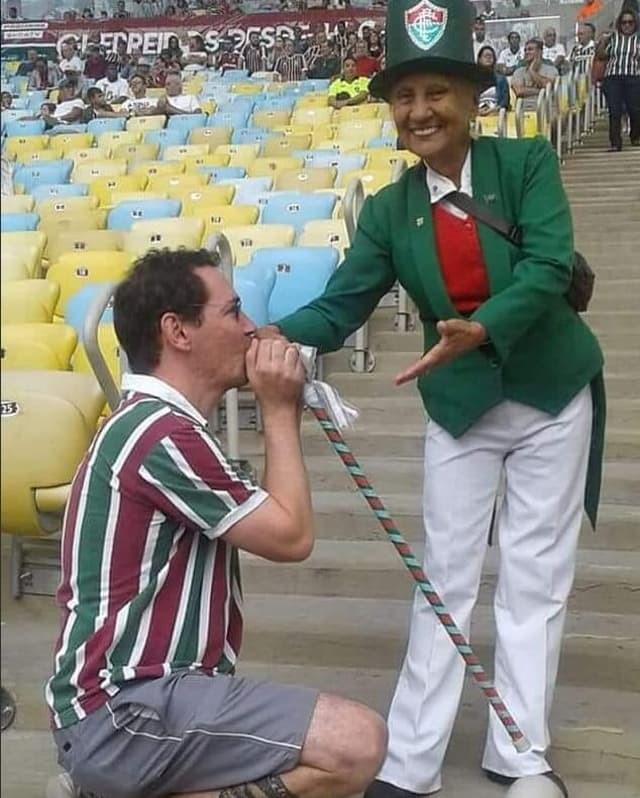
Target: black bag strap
[(480, 212)]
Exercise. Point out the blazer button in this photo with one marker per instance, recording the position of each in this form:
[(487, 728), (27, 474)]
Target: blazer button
[(494, 363)]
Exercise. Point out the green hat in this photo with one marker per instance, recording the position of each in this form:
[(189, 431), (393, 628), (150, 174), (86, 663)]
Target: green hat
[(429, 36)]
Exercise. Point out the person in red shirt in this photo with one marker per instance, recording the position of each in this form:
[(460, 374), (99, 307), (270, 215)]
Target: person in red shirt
[(366, 65), (95, 67), (227, 57)]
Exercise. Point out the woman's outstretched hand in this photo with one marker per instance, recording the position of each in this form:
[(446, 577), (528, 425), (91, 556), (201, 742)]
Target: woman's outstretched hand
[(456, 337)]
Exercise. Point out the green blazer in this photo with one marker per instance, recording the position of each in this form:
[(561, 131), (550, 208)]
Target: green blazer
[(541, 353)]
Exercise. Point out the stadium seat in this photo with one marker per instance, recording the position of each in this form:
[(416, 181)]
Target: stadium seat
[(340, 145), (166, 137), (311, 100), (29, 301), (18, 222), (249, 135), (193, 162), (136, 196), (110, 349), (246, 239), (342, 161), (70, 141), (74, 270), (186, 122), (49, 191), (269, 118), (247, 189), (28, 245), (150, 168), (277, 146), (213, 136), (307, 180), (311, 116), (78, 240), (254, 293), (89, 171), (111, 139), (122, 216), (325, 233), (136, 152), (221, 173), (157, 230), (18, 203), (37, 346), (143, 124), (27, 156), (78, 306), (372, 179), (17, 144), (270, 167), (40, 174), (201, 197), (382, 142), (60, 223), (88, 154), (12, 268), (217, 218), (20, 127), (179, 152), (380, 158), (73, 205), (170, 183), (238, 154), (297, 208), (227, 120), (105, 125), (350, 113)]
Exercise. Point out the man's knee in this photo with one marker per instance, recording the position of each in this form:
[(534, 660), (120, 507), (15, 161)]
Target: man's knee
[(370, 745)]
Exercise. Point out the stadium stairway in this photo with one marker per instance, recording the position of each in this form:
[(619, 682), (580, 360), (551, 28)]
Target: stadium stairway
[(339, 620)]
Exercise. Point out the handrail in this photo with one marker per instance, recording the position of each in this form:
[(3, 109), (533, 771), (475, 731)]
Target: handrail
[(90, 328), (352, 204)]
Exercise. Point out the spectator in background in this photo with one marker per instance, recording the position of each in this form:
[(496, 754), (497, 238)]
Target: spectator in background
[(583, 52), (512, 55), (553, 50), (488, 12), (529, 80), (6, 99), (87, 13), (621, 85), (366, 66), (291, 66), (349, 88), (124, 59), (13, 15), (196, 57), (352, 40), (174, 51), (159, 71), (254, 55), (276, 51), (589, 9), (28, 65), (299, 44), (95, 67), (70, 61), (479, 36), (497, 96), (97, 106), (115, 88), (325, 64), (227, 57), (138, 103), (170, 11), (39, 77), (144, 65), (174, 102), (70, 107), (319, 40), (121, 10), (376, 50)]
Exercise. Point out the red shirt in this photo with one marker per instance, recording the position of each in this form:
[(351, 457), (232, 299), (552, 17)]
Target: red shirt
[(95, 70), (367, 66), (461, 259)]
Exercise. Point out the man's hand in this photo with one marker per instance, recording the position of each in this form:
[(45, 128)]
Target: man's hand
[(275, 373), (456, 337)]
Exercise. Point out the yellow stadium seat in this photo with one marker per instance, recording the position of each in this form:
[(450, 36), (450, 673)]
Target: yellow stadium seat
[(323, 233), (191, 227), (270, 167), (74, 270), (12, 268), (179, 152), (37, 346), (247, 88), (296, 130), (113, 138), (136, 152), (339, 145), (11, 67), (382, 158), (306, 180), (277, 146), (22, 144), (104, 187), (58, 223), (29, 244), (89, 171), (271, 119), (137, 242), (312, 116), (372, 179), (360, 129), (89, 154), (238, 154), (193, 162), (140, 124), (31, 156), (68, 205), (78, 240), (151, 168), (110, 349), (218, 217), (29, 301), (349, 112), (65, 142), (384, 111), (17, 203), (312, 100), (136, 196), (163, 183), (245, 239), (213, 136), (192, 200)]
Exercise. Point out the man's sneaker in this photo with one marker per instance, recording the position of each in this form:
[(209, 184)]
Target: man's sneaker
[(382, 789), (524, 792)]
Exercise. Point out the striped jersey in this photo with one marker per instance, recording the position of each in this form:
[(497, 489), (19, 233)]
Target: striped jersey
[(148, 585), (254, 59), (291, 67), (624, 55)]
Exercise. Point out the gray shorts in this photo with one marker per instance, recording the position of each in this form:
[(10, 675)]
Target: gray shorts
[(187, 732)]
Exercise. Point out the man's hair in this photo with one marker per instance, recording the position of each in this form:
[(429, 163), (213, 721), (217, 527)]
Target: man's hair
[(93, 92), (538, 43), (161, 281), (591, 27)]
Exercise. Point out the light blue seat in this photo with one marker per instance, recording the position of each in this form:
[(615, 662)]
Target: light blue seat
[(254, 285), (222, 174), (124, 214), (20, 101), (186, 122), (344, 162), (77, 306), (274, 103), (229, 119), (250, 135), (18, 222), (24, 127), (301, 274), (236, 104), (36, 98), (248, 189), (167, 137), (63, 130), (235, 75), (42, 173), (12, 114), (387, 142), (106, 125), (296, 208), (52, 190), (317, 84)]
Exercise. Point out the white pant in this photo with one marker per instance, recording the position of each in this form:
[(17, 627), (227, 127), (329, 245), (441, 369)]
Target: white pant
[(544, 462)]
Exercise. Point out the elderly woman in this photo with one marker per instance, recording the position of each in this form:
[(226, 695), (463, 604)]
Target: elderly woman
[(510, 382)]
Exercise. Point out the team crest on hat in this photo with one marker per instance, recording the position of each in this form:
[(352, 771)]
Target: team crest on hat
[(425, 23)]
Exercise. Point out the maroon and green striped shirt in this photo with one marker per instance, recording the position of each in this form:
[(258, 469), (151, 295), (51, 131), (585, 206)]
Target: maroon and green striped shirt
[(149, 585)]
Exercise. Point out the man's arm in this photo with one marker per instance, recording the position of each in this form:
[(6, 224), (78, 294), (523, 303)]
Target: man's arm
[(519, 88)]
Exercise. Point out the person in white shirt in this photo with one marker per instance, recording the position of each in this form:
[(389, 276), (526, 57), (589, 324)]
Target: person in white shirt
[(480, 37), (553, 50), (70, 108), (175, 102), (139, 104), (583, 52), (511, 57), (114, 88)]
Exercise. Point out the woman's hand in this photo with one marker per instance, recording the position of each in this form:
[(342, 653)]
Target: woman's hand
[(456, 337)]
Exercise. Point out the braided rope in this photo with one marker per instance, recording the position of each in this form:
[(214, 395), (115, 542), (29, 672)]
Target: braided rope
[(474, 666)]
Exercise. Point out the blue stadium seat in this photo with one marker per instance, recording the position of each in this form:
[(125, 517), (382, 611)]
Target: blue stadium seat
[(296, 208), (20, 102), (382, 141), (77, 306), (24, 127), (167, 137), (36, 98), (250, 135), (42, 173), (221, 174), (248, 188), (234, 75), (301, 274), (11, 115), (344, 162), (126, 213), (63, 130), (273, 103), (186, 122), (18, 222), (254, 284), (229, 119), (317, 84), (236, 104), (106, 125), (52, 190)]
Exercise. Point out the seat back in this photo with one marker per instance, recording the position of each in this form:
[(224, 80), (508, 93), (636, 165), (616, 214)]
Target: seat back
[(278, 146), (213, 136), (296, 209), (325, 233), (106, 125), (150, 168), (239, 154), (172, 183), (89, 171), (372, 179), (38, 174), (18, 222), (166, 137), (186, 122), (246, 239), (201, 197), (270, 167), (104, 187), (306, 180), (37, 346), (74, 270), (68, 205), (136, 152), (122, 216), (29, 301), (217, 218), (60, 190), (78, 240)]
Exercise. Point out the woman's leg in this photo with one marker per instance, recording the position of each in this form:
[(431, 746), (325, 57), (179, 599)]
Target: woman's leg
[(613, 91), (632, 102)]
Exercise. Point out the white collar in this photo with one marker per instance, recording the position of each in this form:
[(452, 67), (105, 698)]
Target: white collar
[(439, 185), (154, 386)]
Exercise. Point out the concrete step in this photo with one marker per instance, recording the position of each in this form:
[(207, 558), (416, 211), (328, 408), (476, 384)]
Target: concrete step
[(605, 582)]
